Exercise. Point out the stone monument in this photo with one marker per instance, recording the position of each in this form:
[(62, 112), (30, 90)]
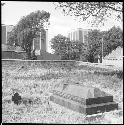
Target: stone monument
[(83, 99)]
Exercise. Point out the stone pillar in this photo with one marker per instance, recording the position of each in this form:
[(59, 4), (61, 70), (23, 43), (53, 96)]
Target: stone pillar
[(33, 44), (46, 40), (78, 35), (6, 34), (72, 36), (75, 35), (83, 35), (40, 44)]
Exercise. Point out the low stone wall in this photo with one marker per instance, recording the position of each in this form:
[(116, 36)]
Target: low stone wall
[(13, 55), (38, 63)]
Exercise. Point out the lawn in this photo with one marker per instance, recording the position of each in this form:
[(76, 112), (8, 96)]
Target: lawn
[(37, 83)]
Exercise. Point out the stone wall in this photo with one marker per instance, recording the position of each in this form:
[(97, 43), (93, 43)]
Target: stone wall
[(38, 63), (48, 56), (13, 55)]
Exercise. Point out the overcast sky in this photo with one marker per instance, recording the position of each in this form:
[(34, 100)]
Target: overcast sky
[(12, 11)]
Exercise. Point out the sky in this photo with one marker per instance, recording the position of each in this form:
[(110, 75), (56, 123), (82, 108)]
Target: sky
[(12, 11)]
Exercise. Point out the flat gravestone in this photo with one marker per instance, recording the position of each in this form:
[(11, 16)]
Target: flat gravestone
[(83, 99)]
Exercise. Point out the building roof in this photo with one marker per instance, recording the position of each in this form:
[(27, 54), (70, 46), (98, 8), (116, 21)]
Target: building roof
[(115, 54), (9, 27)]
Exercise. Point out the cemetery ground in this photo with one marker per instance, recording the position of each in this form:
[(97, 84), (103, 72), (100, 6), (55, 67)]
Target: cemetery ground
[(36, 84)]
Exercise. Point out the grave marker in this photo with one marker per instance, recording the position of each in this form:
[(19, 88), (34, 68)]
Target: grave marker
[(83, 99)]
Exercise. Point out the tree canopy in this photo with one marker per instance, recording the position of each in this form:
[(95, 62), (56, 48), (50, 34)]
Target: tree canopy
[(99, 11), (111, 39), (58, 43), (97, 41), (68, 50), (27, 29)]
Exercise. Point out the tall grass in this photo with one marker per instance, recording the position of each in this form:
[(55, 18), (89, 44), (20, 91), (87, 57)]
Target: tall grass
[(36, 84)]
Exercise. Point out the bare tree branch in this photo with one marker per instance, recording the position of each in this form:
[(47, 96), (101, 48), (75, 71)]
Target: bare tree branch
[(88, 9)]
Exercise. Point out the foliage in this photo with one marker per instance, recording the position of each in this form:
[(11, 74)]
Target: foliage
[(27, 29), (59, 45), (76, 50), (94, 45), (68, 50), (97, 10), (111, 40)]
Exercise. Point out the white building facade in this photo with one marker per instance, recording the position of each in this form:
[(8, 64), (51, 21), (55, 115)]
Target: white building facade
[(79, 35)]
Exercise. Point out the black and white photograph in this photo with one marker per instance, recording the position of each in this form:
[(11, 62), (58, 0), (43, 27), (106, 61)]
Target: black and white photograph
[(62, 62)]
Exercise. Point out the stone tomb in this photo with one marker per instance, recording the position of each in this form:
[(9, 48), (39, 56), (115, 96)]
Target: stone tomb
[(83, 99)]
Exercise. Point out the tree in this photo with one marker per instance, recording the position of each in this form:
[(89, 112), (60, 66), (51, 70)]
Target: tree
[(111, 40), (94, 45), (83, 52), (97, 10), (59, 44), (27, 29), (78, 51), (68, 50)]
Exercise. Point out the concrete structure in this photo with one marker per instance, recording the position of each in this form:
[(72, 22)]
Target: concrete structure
[(83, 99), (5, 31), (79, 35)]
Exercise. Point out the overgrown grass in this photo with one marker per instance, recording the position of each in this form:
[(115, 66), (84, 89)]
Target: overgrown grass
[(38, 86), (119, 73), (46, 76)]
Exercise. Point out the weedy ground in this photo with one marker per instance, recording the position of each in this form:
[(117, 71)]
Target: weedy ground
[(37, 83)]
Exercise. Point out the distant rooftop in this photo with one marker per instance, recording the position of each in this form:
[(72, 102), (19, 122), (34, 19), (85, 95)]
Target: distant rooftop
[(115, 54), (9, 27), (72, 30)]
